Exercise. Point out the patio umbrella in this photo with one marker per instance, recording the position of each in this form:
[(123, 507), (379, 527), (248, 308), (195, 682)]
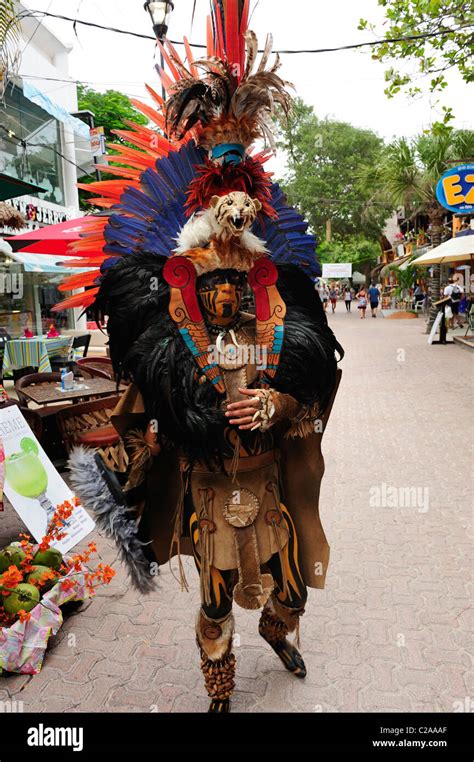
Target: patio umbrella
[(458, 249), (51, 239)]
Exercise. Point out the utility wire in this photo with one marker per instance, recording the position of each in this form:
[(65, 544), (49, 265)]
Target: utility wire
[(424, 35), (35, 29), (25, 143)]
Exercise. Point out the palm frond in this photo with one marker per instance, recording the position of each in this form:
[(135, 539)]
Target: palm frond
[(9, 42)]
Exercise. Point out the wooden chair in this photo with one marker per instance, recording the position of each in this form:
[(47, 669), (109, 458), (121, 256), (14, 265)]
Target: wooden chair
[(4, 337), (59, 362), (88, 424), (34, 379), (34, 421), (51, 436), (96, 367)]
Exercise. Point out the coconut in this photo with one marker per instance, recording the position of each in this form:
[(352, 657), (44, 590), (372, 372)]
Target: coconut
[(51, 557), (12, 555), (38, 572), (23, 596)]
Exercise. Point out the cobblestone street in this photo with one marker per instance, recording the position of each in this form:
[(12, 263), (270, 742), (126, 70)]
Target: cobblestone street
[(390, 631)]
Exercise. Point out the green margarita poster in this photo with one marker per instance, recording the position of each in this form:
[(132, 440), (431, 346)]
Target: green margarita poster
[(32, 484)]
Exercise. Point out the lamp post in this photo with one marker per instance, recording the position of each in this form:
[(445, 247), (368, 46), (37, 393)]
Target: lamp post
[(159, 11)]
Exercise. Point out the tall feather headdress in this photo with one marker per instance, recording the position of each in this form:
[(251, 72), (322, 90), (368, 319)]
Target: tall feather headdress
[(166, 171), (226, 97)]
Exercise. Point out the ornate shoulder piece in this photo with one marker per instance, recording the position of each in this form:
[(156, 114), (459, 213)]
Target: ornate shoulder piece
[(270, 311), (184, 310)]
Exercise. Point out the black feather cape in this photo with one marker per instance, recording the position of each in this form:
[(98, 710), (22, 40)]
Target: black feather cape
[(146, 347)]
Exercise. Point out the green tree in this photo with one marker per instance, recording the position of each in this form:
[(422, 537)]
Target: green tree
[(111, 109), (328, 163), (360, 251), (408, 172), (448, 44)]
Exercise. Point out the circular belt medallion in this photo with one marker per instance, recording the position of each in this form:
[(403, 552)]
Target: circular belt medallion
[(241, 508)]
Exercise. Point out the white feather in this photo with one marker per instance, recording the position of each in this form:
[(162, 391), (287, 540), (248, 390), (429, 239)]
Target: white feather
[(201, 226), (197, 231)]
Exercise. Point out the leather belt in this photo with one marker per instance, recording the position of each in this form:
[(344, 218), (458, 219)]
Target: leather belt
[(248, 463)]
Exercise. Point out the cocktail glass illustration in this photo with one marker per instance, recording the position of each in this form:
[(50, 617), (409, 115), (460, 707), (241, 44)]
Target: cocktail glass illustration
[(26, 474)]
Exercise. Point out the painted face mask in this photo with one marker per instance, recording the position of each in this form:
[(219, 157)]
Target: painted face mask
[(221, 292)]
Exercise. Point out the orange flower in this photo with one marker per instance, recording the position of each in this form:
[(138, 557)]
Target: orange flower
[(24, 616), (11, 578), (105, 573), (41, 581), (68, 584)]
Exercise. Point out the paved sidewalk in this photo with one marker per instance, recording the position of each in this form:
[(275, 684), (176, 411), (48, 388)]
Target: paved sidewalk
[(389, 632)]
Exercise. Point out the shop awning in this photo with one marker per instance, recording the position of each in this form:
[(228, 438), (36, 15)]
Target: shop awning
[(45, 263), (59, 112), (376, 270), (458, 249), (396, 264), (11, 187)]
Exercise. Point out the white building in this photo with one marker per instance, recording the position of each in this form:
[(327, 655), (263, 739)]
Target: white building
[(41, 143)]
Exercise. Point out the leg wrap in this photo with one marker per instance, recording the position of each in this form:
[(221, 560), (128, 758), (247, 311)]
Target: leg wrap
[(278, 620), (275, 623), (214, 639)]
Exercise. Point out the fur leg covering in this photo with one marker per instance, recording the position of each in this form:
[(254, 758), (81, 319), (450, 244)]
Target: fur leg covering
[(214, 639), (278, 620), (214, 636), (115, 519), (275, 624)]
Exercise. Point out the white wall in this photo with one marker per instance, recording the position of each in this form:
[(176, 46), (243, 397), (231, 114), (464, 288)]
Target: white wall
[(45, 55), (44, 59)]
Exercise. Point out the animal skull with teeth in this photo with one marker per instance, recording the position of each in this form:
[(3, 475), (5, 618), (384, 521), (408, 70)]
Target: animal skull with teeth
[(228, 217), (235, 212)]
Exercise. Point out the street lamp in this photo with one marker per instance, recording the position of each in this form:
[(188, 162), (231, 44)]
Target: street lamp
[(159, 11)]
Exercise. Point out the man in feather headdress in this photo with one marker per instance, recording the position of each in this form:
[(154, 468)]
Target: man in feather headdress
[(224, 414)]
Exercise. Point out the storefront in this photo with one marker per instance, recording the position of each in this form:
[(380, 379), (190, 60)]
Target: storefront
[(28, 282)]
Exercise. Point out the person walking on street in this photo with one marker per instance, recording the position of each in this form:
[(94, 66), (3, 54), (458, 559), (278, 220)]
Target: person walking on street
[(374, 296), (362, 297), (333, 297), (348, 298), (324, 293), (455, 291)]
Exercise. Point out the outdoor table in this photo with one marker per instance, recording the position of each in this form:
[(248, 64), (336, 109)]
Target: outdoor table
[(45, 393), (34, 352)]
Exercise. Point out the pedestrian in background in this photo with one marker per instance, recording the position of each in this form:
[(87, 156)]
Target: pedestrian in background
[(362, 297), (374, 296), (324, 293), (333, 297), (348, 298), (455, 291)]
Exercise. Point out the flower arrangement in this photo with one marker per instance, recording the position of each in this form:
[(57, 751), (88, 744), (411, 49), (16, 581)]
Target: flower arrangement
[(35, 580)]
